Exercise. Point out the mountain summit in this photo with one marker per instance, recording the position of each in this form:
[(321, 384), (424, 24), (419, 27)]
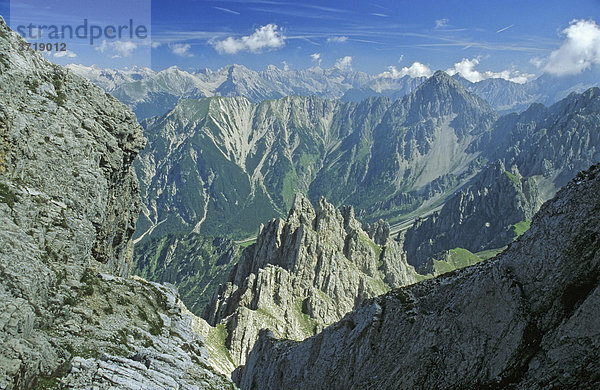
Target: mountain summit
[(387, 157)]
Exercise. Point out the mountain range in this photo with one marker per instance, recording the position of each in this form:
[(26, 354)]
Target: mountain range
[(221, 166), (149, 93)]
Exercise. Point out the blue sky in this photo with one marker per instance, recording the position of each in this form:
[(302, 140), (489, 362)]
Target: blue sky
[(517, 37)]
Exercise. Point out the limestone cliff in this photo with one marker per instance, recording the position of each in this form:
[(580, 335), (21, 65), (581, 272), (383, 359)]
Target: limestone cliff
[(68, 204), (303, 274), (526, 319)]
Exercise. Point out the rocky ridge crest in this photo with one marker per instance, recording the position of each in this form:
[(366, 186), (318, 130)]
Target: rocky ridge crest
[(305, 273)]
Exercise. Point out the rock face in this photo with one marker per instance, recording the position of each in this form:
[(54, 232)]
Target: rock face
[(538, 151), (478, 218), (526, 319), (131, 334), (68, 204), (304, 274)]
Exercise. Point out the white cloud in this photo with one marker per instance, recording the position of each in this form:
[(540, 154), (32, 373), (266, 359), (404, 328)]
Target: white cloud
[(316, 57), (579, 51), (119, 48), (344, 63), (267, 37), (441, 23), (123, 48), (286, 66), (103, 46), (181, 49), (66, 53), (417, 69), (466, 68), (339, 39)]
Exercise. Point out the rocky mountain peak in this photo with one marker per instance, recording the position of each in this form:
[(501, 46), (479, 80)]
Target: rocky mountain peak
[(302, 274), (442, 83), (302, 211), (378, 231), (443, 96)]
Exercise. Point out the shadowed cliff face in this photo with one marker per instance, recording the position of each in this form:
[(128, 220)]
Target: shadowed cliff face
[(537, 152), (478, 218), (525, 319), (69, 200)]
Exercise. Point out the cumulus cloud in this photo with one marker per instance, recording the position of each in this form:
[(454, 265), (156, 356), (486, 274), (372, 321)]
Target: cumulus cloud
[(417, 69), (181, 49), (579, 51), (66, 53), (339, 39), (268, 37), (466, 68), (344, 63), (119, 48), (316, 57)]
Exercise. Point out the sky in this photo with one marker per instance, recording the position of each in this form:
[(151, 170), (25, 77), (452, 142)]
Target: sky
[(516, 40)]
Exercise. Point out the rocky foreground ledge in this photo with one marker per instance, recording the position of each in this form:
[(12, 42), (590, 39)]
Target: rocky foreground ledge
[(527, 319), (70, 316)]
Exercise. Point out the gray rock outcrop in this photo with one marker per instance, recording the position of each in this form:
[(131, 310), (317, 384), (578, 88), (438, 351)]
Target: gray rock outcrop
[(527, 319), (68, 205), (304, 274)]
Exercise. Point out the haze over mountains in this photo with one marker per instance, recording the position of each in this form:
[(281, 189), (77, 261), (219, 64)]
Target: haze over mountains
[(149, 93)]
